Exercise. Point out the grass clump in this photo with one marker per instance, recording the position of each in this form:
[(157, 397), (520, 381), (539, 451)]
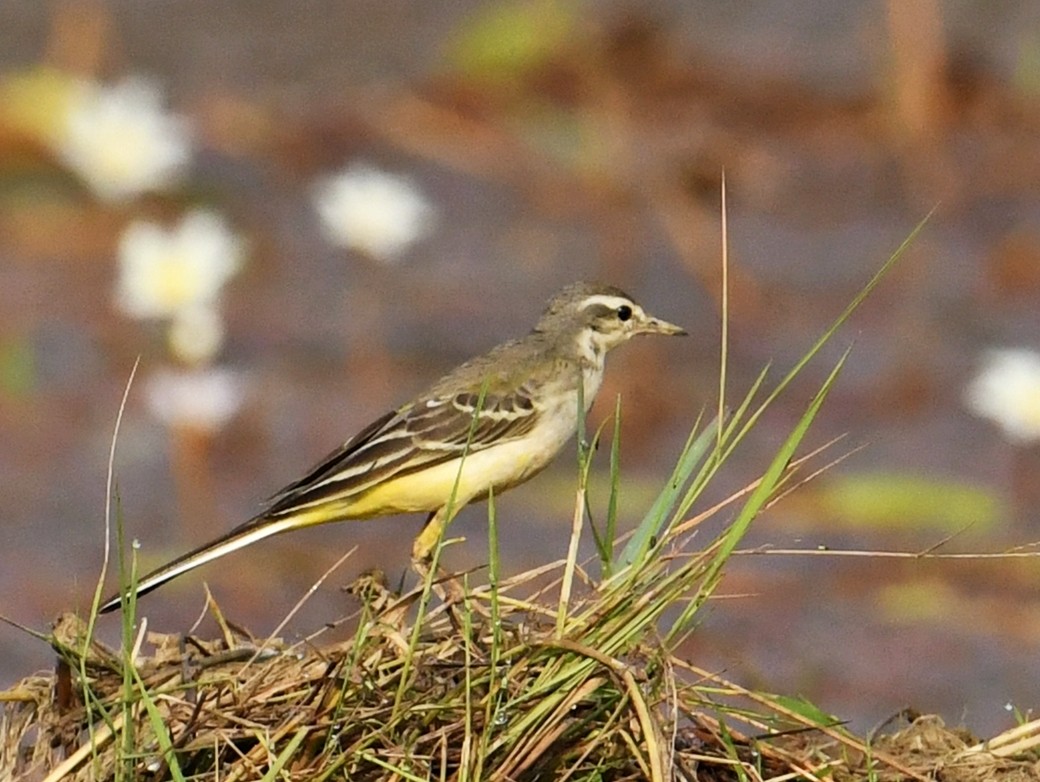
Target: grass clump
[(489, 690)]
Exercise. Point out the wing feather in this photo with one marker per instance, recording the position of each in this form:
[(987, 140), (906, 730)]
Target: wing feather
[(428, 432)]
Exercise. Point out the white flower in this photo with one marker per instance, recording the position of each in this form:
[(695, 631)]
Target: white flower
[(162, 272), (121, 142), (196, 334), (369, 210), (1007, 391), (203, 400)]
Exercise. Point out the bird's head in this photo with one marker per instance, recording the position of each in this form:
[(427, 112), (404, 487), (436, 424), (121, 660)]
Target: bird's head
[(599, 318)]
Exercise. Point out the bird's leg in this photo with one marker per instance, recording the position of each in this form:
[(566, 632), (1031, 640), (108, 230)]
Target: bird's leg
[(444, 585), (422, 547), (427, 540)]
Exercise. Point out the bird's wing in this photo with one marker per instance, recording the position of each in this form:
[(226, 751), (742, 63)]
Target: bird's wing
[(425, 433)]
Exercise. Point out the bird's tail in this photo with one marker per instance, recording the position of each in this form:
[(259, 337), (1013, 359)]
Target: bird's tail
[(241, 536)]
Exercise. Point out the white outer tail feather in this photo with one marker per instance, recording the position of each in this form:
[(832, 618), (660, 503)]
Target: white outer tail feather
[(246, 535)]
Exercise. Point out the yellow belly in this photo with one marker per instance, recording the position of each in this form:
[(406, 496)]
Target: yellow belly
[(497, 468)]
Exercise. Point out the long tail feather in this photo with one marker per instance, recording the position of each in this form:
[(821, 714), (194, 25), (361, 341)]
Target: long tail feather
[(244, 535)]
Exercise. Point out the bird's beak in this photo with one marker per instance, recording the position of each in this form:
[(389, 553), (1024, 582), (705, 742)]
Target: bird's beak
[(657, 326)]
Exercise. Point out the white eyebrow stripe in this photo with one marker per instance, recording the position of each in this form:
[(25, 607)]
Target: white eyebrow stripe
[(611, 302)]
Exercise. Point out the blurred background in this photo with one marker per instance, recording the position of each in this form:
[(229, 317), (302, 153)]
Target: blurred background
[(298, 216)]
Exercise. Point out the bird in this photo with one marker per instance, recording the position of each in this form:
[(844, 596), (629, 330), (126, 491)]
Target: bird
[(487, 426)]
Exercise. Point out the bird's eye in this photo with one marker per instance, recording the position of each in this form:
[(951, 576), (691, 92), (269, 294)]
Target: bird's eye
[(624, 312)]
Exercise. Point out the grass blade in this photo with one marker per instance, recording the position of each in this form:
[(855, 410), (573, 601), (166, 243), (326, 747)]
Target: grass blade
[(759, 497), (650, 527)]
